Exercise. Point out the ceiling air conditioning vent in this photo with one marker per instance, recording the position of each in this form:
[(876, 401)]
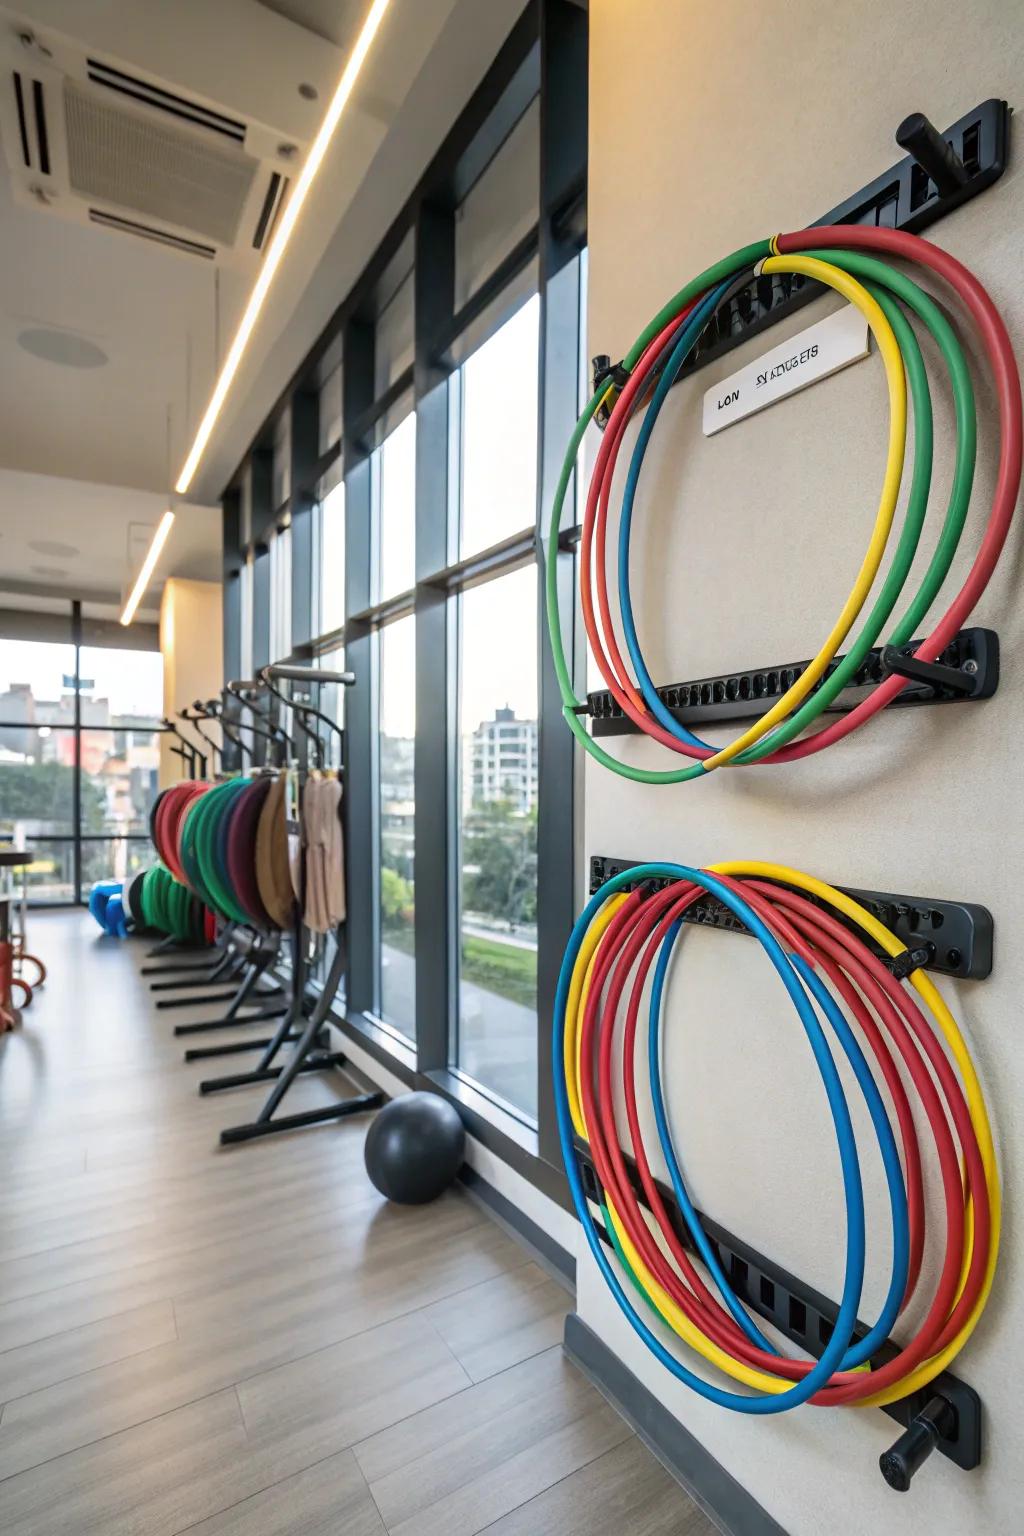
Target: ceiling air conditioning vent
[(277, 191), (110, 143), (164, 101), (150, 232), (155, 168), (33, 135)]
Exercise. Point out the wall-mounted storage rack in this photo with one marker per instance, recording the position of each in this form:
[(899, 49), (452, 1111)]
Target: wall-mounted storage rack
[(941, 171), (952, 938), (967, 671), (944, 1416)]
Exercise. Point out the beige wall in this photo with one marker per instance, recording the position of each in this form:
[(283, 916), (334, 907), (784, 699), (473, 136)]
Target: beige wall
[(190, 643), (723, 124)]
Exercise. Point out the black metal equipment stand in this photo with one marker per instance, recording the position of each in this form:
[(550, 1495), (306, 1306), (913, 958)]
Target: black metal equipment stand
[(262, 956), (310, 1053), (308, 1056)]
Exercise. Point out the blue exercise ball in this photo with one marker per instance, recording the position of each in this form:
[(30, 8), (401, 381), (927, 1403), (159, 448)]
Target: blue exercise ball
[(414, 1148)]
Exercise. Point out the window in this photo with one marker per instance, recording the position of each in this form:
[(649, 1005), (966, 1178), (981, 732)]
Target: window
[(496, 1025), (121, 703), (395, 474), (331, 701), (280, 543), (499, 433), (37, 784), (329, 412), (446, 383), (500, 209), (121, 689), (282, 480), (331, 562), (36, 681), (79, 760), (397, 808)]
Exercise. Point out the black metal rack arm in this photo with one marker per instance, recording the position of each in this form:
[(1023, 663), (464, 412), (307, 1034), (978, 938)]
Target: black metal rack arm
[(952, 938), (189, 752), (967, 672), (193, 721), (312, 736), (309, 675), (247, 692)]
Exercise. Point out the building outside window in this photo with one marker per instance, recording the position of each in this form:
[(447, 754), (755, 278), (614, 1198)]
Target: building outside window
[(494, 1036), (106, 740), (397, 813)]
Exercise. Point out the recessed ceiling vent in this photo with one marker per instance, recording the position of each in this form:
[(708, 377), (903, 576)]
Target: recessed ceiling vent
[(90, 140), (117, 156)]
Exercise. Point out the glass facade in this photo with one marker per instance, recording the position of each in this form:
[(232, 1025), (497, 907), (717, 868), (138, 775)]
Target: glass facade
[(495, 1039), (397, 815), (395, 465), (79, 760)]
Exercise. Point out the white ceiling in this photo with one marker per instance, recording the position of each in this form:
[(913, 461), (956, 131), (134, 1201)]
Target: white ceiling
[(92, 524), (334, 20), (152, 310)]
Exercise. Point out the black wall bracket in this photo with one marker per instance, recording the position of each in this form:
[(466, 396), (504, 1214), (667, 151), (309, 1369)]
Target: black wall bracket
[(944, 1416), (941, 171), (967, 672), (952, 938)]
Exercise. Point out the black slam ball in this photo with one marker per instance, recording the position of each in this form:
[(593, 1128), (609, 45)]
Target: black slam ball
[(414, 1148)]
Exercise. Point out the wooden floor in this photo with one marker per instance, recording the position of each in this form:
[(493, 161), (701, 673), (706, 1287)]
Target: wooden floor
[(252, 1341)]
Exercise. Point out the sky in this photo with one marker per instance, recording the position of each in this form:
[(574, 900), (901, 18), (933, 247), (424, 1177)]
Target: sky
[(131, 680)]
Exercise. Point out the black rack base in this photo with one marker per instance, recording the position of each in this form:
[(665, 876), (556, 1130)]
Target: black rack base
[(954, 937), (968, 671), (272, 1127), (234, 1048)]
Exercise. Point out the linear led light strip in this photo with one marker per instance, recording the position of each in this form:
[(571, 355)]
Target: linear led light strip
[(163, 528), (280, 240)]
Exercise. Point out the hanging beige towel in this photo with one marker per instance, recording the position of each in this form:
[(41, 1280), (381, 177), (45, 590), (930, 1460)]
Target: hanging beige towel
[(324, 907)]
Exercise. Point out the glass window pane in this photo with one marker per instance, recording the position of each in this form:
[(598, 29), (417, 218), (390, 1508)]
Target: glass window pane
[(496, 1041), (332, 695), (120, 769), (332, 560), (393, 347), (329, 417), (51, 875), (396, 490), (37, 682), (113, 858), (36, 783), (397, 807), (500, 208), (282, 461), (121, 688), (499, 433), (280, 544), (246, 578)]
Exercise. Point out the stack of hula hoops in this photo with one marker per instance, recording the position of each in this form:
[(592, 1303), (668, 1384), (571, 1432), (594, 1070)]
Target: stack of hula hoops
[(224, 857), (859, 995)]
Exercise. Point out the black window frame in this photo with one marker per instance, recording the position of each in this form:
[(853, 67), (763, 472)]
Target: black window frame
[(545, 56)]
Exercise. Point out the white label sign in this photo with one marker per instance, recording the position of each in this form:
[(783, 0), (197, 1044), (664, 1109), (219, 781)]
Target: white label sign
[(824, 348)]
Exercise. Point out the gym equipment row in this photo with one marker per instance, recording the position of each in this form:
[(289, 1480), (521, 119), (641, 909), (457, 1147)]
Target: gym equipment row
[(853, 964), (264, 851)]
